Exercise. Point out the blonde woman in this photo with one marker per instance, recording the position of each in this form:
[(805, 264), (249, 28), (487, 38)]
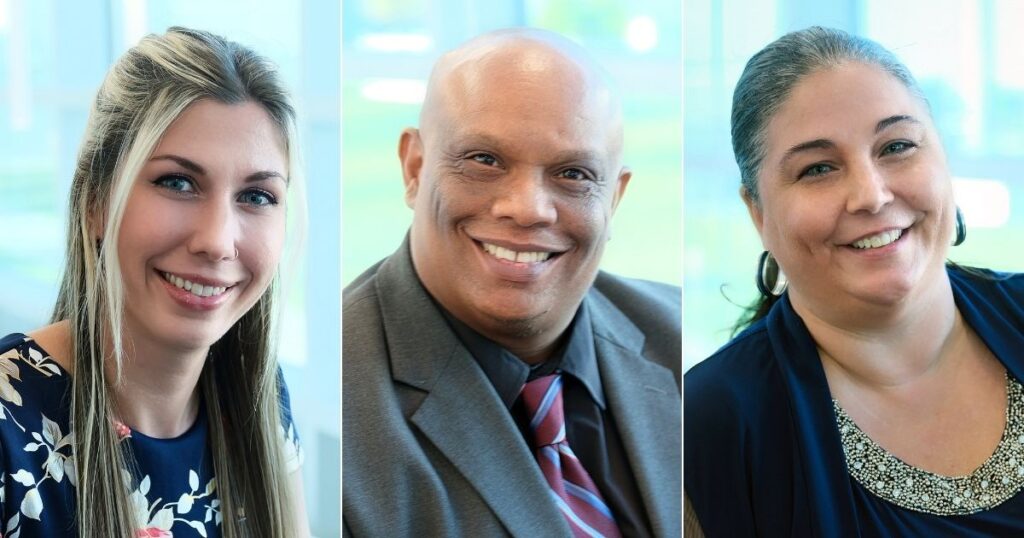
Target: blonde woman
[(153, 405)]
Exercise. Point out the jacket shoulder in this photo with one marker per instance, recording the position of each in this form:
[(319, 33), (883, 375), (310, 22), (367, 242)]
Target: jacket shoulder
[(990, 294), (989, 282), (363, 286), (733, 379), (654, 309), (364, 343), (639, 294), (735, 416)]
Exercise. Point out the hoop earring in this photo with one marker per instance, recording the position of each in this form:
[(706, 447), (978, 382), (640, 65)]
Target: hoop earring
[(771, 281), (961, 228)]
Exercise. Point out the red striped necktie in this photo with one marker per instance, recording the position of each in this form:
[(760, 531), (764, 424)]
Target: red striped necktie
[(571, 487)]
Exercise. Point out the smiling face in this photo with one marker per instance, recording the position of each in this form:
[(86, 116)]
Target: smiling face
[(513, 179), (855, 196), (204, 225)]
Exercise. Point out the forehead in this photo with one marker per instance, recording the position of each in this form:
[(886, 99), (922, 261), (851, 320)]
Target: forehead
[(529, 95), (838, 102), (219, 133)]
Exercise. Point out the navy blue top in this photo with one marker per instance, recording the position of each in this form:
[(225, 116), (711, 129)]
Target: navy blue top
[(173, 491), (762, 451)]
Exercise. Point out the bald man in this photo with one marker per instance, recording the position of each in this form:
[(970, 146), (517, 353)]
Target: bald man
[(495, 381)]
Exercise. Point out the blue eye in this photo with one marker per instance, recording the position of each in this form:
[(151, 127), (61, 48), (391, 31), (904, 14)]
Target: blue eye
[(257, 198), (818, 169), (176, 183), (898, 146)]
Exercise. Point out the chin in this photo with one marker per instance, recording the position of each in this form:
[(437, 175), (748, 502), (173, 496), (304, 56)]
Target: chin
[(197, 338), (518, 323), (888, 293)]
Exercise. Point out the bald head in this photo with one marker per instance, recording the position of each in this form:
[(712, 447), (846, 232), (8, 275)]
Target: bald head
[(535, 69)]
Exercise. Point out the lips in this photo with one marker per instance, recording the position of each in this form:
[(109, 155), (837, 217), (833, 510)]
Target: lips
[(507, 254), (196, 292), (878, 240), (195, 288), (519, 263)]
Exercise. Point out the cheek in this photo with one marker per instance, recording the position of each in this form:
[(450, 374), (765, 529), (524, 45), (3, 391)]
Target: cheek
[(450, 199), (932, 187), (932, 194), (147, 229), (798, 223), (773, 223), (262, 244), (587, 219), (591, 218)]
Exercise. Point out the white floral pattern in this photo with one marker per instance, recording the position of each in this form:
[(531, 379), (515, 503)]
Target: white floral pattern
[(57, 464), (172, 496), (158, 517)]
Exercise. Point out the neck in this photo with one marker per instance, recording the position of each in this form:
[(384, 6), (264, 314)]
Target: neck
[(531, 353), (890, 345), (158, 391), (533, 341)]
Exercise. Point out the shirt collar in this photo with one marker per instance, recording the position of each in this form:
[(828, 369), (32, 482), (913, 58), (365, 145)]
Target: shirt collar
[(507, 373)]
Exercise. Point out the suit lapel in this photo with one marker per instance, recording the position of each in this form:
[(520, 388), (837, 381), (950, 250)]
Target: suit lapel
[(468, 423), (461, 413), (645, 404)]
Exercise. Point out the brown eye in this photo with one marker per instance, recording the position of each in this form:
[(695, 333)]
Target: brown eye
[(485, 159), (815, 170), (574, 174), (898, 146)]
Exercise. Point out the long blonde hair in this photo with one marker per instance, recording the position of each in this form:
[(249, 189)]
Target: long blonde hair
[(144, 92)]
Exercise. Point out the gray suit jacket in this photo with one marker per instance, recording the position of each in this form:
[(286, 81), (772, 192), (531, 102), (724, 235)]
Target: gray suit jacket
[(428, 448)]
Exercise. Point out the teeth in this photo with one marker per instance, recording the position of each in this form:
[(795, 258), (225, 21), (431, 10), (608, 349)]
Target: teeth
[(513, 256), (879, 240), (198, 290)]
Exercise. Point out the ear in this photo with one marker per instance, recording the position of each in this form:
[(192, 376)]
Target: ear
[(410, 153), (624, 176), (754, 208)]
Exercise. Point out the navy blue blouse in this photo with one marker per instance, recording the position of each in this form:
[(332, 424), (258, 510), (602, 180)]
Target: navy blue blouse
[(174, 491), (762, 450)]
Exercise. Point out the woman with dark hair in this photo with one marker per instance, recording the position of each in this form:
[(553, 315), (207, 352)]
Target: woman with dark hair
[(878, 393), (153, 405)]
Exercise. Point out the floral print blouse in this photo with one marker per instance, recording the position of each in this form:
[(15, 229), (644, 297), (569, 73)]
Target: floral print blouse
[(175, 492)]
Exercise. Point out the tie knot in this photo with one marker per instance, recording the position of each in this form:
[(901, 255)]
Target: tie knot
[(543, 400)]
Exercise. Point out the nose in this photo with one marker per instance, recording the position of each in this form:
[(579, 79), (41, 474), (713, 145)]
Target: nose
[(525, 198), (868, 189), (215, 231)]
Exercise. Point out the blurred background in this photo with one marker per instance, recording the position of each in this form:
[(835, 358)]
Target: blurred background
[(967, 55), (388, 50), (53, 55)]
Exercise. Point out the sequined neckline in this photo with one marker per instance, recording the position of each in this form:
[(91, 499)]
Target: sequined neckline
[(998, 479)]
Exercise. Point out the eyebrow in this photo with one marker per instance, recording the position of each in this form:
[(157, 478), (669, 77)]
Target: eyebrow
[(892, 120), (824, 143), (192, 166), (820, 143)]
